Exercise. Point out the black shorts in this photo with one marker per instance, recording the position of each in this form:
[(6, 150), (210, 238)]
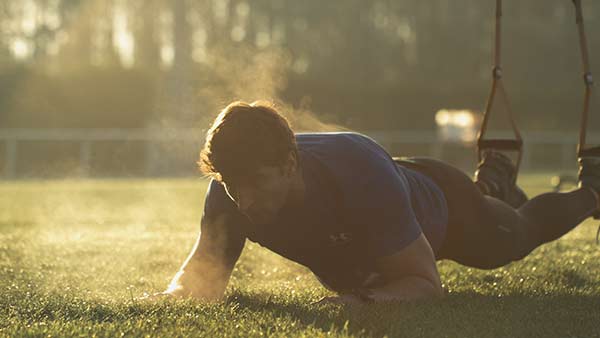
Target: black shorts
[(479, 233)]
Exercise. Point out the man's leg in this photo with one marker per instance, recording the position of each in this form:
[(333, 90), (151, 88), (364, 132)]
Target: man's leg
[(485, 232)]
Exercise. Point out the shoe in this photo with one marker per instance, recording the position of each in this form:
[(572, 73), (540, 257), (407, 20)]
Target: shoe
[(589, 177), (589, 173), (495, 175)]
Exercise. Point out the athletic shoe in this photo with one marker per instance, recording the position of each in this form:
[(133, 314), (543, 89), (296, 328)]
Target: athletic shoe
[(589, 173), (495, 177), (589, 176)]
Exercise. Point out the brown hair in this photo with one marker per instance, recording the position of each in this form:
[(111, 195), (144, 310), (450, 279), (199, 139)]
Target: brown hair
[(242, 138)]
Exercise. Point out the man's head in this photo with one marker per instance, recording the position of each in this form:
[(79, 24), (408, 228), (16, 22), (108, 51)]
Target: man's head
[(252, 151)]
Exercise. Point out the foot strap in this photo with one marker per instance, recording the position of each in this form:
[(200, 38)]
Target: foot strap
[(596, 214)]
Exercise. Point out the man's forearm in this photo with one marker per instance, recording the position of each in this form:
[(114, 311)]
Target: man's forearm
[(408, 288)]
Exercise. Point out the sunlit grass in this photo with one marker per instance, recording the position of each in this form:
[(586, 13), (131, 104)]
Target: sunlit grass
[(75, 254)]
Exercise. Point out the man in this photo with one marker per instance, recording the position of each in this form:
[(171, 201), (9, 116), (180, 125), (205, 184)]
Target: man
[(370, 226)]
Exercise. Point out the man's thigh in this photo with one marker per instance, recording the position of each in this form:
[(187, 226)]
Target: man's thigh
[(482, 231)]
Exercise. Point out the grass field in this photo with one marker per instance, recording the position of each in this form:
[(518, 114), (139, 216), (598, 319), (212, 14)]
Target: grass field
[(75, 254)]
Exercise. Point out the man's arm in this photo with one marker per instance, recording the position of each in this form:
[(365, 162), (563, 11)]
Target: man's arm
[(206, 271), (412, 274)]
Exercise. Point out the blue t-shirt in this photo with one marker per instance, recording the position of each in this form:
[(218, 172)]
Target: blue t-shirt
[(359, 205)]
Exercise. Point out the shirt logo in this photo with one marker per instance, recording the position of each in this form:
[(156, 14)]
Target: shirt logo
[(341, 238)]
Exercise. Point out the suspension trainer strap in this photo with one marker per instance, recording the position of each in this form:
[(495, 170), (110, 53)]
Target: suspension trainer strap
[(498, 86), (589, 84), (588, 80)]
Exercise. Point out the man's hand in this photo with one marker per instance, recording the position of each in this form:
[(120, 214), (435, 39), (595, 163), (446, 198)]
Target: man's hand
[(175, 291), (206, 271), (171, 294), (158, 296), (347, 300)]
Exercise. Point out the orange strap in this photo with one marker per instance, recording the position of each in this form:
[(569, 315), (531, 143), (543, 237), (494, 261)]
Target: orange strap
[(498, 85), (588, 80)]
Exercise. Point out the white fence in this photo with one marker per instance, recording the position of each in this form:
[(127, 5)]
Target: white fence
[(563, 143)]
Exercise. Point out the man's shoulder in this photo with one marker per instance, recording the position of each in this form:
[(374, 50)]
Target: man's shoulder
[(354, 162), (221, 219), (332, 137), (334, 144), (217, 202), (215, 188)]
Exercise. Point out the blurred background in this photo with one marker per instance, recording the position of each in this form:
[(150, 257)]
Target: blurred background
[(115, 88)]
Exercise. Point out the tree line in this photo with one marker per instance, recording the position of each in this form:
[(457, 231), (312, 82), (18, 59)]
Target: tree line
[(381, 64)]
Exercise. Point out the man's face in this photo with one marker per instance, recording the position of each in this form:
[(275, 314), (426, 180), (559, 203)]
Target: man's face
[(261, 197)]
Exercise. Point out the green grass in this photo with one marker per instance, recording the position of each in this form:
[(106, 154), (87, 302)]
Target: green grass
[(75, 254)]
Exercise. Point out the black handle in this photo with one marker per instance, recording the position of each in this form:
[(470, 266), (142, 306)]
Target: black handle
[(500, 144)]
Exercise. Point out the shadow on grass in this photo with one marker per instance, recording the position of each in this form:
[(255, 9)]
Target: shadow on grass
[(457, 315)]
